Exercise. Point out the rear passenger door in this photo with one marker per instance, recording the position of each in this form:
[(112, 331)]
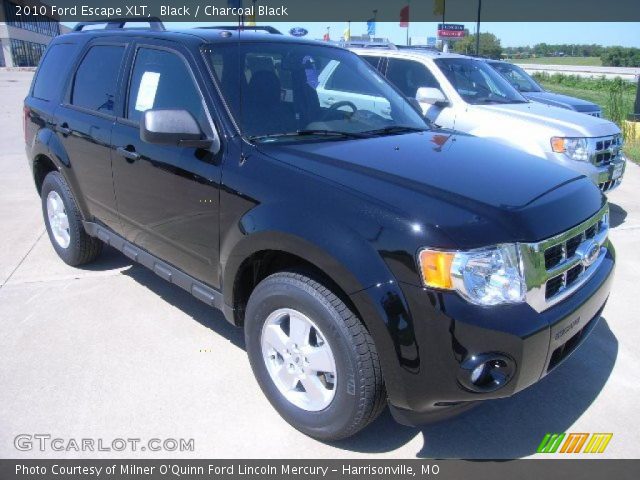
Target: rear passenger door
[(168, 196), (83, 126)]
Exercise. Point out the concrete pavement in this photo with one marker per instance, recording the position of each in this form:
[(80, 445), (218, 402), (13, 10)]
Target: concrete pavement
[(112, 351)]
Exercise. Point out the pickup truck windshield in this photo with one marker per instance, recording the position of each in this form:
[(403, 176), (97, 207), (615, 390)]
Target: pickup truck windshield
[(300, 92), (516, 76), (477, 83)]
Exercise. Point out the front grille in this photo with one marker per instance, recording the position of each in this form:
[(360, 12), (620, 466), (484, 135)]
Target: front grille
[(556, 267), (568, 249), (604, 150), (606, 186)]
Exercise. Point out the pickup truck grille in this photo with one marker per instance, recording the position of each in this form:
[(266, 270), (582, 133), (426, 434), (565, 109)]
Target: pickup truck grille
[(603, 150), (556, 267)]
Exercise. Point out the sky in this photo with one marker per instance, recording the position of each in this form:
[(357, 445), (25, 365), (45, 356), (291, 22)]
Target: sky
[(512, 34)]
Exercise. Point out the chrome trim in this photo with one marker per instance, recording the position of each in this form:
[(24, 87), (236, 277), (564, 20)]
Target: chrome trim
[(536, 273), (600, 146)]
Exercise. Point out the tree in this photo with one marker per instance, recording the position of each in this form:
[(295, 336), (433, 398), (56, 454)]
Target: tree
[(489, 45)]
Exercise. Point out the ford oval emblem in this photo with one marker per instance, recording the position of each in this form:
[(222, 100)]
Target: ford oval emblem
[(298, 31), (588, 253)]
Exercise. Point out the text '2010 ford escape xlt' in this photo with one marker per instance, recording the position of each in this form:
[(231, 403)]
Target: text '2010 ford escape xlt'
[(369, 259)]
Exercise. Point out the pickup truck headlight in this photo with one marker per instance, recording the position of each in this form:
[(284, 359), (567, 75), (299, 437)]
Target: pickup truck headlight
[(574, 148), (487, 276)]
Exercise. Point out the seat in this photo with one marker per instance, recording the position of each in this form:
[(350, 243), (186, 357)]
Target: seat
[(263, 111)]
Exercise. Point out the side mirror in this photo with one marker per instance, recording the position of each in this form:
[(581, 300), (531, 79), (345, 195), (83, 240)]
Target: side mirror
[(173, 127), (432, 96)]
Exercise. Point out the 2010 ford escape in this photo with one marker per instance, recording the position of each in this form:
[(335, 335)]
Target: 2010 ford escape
[(369, 259)]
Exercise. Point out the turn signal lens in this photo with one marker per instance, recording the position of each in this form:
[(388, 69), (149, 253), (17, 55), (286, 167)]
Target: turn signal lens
[(557, 144), (435, 267)]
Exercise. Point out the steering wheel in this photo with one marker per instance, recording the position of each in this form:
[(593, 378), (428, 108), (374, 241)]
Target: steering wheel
[(342, 103)]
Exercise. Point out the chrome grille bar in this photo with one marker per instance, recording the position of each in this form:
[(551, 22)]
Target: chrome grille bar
[(549, 284)]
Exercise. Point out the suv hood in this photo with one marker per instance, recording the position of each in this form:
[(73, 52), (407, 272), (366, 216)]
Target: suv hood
[(562, 101), (557, 121), (418, 173)]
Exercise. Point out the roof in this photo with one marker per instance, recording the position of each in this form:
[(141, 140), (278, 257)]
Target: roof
[(406, 53), (213, 35)]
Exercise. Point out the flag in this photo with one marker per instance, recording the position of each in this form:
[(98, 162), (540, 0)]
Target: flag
[(404, 16), (326, 36), (438, 7), (250, 21), (371, 27), (347, 33)]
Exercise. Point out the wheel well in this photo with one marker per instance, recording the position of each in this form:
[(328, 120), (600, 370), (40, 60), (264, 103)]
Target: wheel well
[(42, 166), (267, 262)]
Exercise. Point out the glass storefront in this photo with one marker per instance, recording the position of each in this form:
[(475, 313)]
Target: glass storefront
[(45, 26), (26, 54)]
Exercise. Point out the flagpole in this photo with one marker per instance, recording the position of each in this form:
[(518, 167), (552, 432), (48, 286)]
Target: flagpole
[(478, 28)]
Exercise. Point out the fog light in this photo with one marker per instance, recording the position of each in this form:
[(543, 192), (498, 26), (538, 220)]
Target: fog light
[(486, 372)]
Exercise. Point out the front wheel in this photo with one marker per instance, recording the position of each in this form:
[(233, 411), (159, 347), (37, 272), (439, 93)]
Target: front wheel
[(313, 357)]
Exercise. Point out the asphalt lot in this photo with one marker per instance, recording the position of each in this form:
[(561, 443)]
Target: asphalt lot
[(112, 351)]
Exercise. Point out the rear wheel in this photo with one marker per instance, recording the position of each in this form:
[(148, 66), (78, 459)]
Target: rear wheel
[(313, 357), (64, 223)]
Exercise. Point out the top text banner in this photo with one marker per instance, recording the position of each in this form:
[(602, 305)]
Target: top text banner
[(336, 10)]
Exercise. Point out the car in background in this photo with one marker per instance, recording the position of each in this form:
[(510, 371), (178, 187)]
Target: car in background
[(533, 91), (465, 94)]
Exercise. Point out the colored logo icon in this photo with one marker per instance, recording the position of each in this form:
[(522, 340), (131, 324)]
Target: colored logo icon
[(574, 443)]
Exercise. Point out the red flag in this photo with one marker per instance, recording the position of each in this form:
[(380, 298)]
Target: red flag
[(404, 16), (325, 37)]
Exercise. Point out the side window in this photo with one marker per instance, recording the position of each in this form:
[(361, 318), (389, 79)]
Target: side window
[(346, 79), (373, 61), (53, 71), (161, 80), (94, 86), (408, 76)]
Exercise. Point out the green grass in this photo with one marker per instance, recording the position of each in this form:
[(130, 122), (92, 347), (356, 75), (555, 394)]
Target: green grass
[(584, 61), (632, 150), (601, 97)]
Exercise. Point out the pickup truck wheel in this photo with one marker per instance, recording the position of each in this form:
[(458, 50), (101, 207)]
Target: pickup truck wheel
[(64, 223), (312, 356)]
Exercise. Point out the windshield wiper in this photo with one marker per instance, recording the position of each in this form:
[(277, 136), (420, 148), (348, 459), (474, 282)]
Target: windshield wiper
[(395, 129), (309, 132)]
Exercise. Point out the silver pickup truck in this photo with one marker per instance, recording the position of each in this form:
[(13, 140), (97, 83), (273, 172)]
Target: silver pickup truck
[(466, 94)]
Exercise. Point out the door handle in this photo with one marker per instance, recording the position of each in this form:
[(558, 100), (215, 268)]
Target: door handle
[(130, 155), (64, 129)]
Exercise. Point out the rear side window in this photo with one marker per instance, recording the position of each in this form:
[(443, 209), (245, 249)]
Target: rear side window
[(94, 86), (53, 71), (347, 79)]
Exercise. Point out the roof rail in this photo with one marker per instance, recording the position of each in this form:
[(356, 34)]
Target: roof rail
[(366, 44), (265, 28), (155, 23)]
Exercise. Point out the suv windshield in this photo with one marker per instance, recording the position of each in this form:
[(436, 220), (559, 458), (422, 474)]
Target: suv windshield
[(292, 92), (516, 76), (478, 83)]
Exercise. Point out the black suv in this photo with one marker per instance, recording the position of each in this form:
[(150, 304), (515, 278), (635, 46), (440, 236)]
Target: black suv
[(370, 259)]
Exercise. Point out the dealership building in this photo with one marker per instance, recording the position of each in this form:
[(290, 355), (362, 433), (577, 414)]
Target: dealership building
[(23, 40)]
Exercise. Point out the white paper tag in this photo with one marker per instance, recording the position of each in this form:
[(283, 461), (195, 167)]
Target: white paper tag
[(147, 91)]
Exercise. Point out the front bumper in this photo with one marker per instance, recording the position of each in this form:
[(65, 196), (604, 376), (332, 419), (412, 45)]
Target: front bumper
[(449, 331), (606, 177)]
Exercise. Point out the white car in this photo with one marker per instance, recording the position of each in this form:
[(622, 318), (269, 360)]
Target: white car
[(465, 94)]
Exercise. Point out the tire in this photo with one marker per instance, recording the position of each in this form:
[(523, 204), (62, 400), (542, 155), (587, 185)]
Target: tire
[(357, 394), (72, 244)]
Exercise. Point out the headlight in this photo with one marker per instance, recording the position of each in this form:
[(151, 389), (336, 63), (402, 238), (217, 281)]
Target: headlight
[(574, 148), (488, 276)]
